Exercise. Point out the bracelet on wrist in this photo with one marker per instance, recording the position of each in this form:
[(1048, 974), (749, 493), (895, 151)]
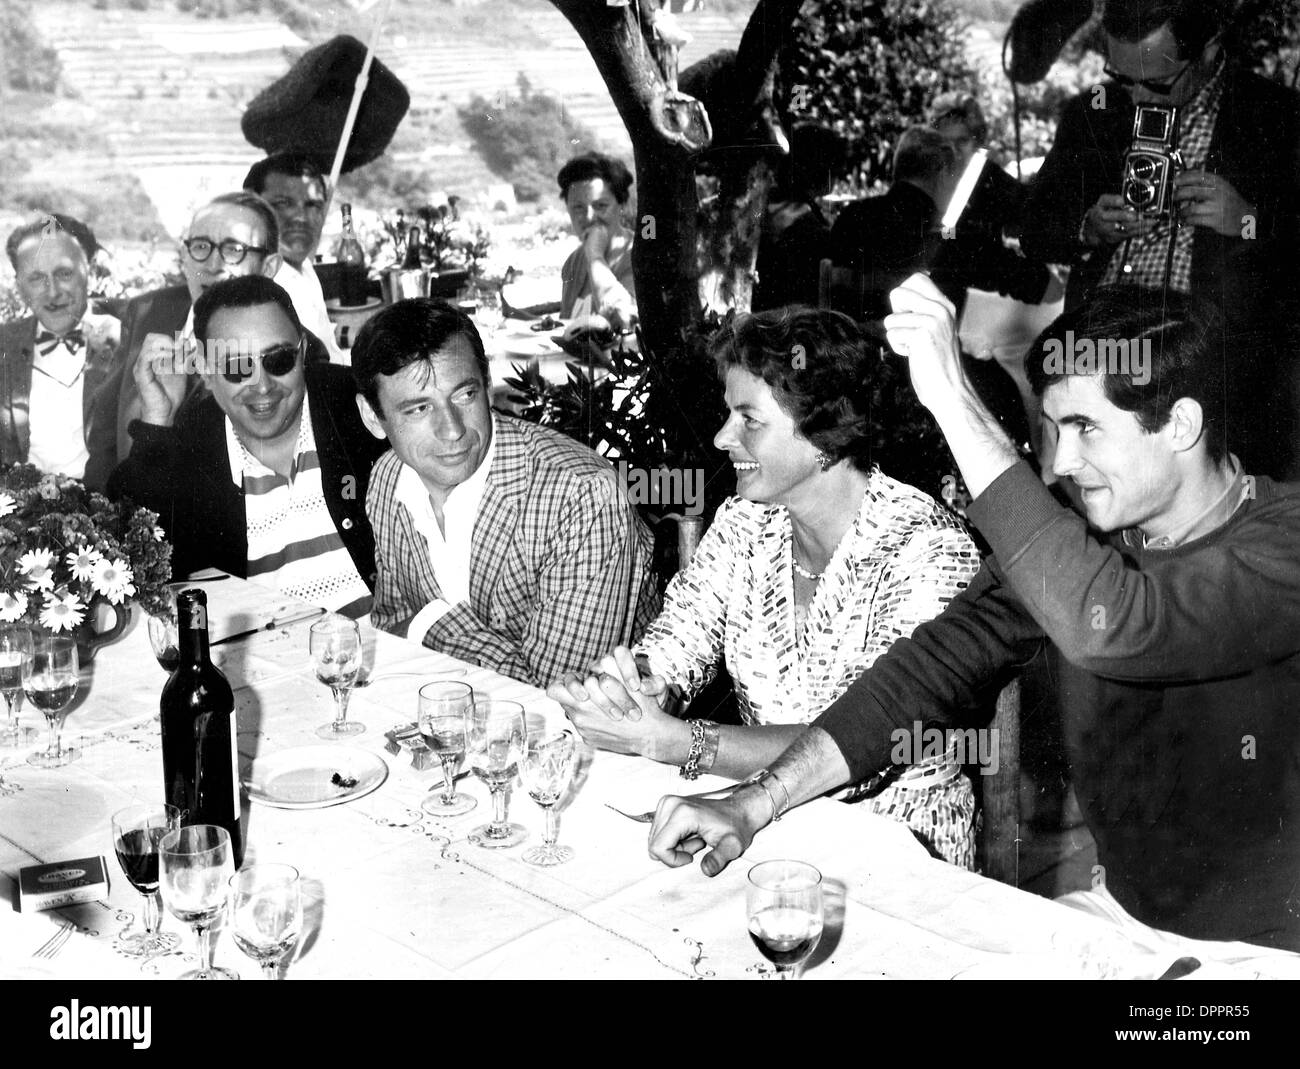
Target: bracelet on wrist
[(769, 781), (691, 767)]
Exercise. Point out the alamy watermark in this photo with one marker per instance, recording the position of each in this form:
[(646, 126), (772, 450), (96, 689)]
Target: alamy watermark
[(681, 488), (1130, 357), (970, 746)]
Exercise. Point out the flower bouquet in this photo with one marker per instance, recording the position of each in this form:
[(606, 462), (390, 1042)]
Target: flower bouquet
[(64, 548)]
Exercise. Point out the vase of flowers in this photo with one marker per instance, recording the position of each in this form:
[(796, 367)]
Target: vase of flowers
[(68, 554)]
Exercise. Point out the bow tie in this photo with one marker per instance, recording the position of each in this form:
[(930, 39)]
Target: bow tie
[(47, 341)]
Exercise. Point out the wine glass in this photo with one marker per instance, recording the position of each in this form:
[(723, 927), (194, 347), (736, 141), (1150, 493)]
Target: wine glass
[(137, 831), (266, 912), (336, 655), (444, 720), (50, 683), (196, 868), (488, 314), (783, 902), (549, 758), (15, 651), (496, 741), (164, 637)]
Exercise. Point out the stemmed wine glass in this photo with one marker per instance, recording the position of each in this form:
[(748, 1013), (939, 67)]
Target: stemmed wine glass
[(444, 721), (164, 637), (783, 902), (488, 313), (336, 654), (266, 912), (137, 831), (196, 870), (496, 741), (50, 682), (548, 763), (15, 651)]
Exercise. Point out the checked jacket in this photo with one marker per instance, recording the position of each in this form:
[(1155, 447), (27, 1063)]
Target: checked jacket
[(559, 566)]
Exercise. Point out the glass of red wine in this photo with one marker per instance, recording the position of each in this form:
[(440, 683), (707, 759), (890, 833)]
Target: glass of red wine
[(137, 831), (783, 904), (163, 636), (50, 683), (15, 651)]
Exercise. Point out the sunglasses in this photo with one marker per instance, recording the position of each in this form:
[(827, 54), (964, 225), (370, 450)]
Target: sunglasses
[(278, 360)]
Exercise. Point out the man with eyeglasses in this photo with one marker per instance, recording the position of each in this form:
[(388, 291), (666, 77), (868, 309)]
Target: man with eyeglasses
[(264, 477), (1231, 234), (292, 184), (55, 362), (231, 236)]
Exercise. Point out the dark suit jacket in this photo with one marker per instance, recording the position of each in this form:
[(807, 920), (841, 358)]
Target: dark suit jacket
[(160, 311), (1255, 282), (17, 351), (182, 472)]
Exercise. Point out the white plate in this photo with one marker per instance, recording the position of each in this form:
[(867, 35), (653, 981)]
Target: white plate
[(302, 777)]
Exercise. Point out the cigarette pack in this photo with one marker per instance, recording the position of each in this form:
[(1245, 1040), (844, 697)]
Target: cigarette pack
[(61, 883), (407, 737)]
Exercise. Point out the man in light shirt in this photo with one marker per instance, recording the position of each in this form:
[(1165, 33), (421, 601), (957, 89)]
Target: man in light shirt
[(55, 362), (264, 477), (292, 184), (496, 541)]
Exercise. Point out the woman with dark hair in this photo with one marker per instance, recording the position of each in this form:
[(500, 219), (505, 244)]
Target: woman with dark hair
[(597, 277), (816, 566)]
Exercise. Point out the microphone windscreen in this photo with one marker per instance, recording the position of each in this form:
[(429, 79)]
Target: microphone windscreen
[(1038, 32)]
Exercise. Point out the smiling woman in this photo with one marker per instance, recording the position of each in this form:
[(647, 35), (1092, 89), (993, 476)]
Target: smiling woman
[(814, 569)]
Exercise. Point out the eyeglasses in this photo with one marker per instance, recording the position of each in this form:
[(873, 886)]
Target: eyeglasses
[(278, 360), (1163, 89), (232, 251)]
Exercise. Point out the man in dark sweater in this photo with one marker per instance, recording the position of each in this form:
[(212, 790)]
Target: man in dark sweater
[(1177, 630), (265, 477)]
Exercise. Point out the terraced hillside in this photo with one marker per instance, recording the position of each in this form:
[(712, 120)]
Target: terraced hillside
[(166, 90)]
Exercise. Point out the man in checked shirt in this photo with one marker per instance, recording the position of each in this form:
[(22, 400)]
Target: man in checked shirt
[(1232, 235), (497, 541)]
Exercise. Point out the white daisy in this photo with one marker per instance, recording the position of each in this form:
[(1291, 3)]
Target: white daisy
[(82, 562), (38, 566), (7, 504), (12, 606), (113, 579), (62, 613)]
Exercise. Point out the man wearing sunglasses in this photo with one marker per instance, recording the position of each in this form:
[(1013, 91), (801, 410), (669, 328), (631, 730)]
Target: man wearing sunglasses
[(231, 236), (265, 476), (1230, 237)]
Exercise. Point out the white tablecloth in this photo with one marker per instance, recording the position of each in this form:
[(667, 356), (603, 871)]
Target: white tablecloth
[(395, 893)]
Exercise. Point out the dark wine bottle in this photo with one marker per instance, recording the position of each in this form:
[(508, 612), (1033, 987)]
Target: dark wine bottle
[(352, 260), (200, 763), (411, 262)]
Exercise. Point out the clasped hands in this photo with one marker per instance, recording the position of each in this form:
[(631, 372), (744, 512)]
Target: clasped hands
[(615, 707)]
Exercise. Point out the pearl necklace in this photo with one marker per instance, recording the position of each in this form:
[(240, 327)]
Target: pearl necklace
[(812, 577)]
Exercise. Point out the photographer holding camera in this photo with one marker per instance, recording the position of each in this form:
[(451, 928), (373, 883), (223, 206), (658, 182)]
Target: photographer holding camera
[(1181, 172)]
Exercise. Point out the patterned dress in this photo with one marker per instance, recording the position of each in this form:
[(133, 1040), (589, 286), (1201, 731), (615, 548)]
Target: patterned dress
[(902, 561)]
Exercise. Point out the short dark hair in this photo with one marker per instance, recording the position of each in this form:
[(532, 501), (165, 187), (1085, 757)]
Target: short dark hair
[(248, 291), (406, 333), (65, 224), (247, 199), (293, 164), (922, 153), (596, 165), (1192, 22), (1181, 355), (963, 108), (823, 370)]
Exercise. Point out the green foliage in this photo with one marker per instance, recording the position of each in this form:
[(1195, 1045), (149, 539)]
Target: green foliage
[(525, 138), (868, 68), (30, 64)]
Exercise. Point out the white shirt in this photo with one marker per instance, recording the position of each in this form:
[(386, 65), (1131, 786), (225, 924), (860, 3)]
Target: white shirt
[(293, 544), (57, 429), (449, 547), (303, 288)]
